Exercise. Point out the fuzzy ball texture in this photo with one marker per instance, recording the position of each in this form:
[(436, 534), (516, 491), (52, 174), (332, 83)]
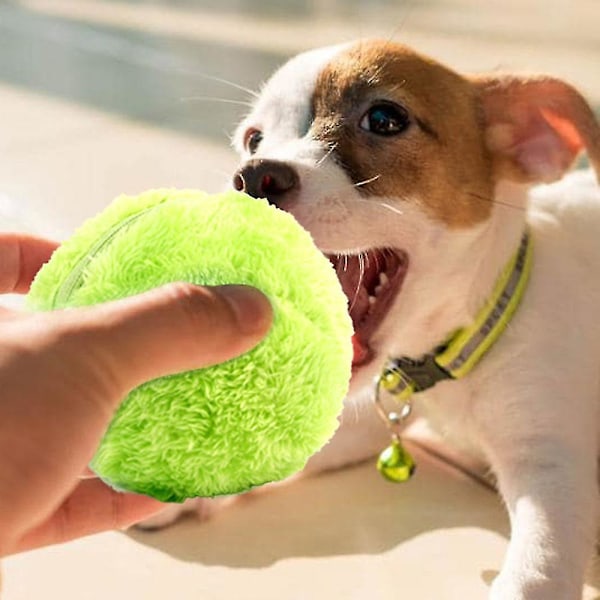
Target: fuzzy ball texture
[(251, 420)]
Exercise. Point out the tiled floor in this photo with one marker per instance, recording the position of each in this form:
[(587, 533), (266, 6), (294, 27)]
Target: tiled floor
[(103, 97)]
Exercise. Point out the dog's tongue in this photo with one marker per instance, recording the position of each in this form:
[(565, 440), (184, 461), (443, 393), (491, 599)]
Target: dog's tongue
[(361, 353)]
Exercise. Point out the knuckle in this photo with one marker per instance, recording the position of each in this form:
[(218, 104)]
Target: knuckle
[(210, 321), (184, 292)]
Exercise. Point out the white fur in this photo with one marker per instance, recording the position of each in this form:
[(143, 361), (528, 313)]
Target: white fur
[(530, 408), (283, 108)]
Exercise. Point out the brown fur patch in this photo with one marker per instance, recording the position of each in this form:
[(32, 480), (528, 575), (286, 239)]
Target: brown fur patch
[(441, 161)]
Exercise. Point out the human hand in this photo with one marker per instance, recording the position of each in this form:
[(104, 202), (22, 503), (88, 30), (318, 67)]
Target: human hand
[(64, 373)]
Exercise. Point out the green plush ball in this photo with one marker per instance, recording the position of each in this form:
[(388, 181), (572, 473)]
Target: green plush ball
[(253, 419)]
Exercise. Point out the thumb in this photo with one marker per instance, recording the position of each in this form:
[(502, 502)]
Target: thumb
[(173, 328), (63, 373)]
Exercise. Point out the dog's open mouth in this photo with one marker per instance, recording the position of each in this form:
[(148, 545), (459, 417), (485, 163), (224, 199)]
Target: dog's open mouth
[(371, 280)]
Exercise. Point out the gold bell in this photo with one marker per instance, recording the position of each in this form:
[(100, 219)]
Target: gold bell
[(395, 463)]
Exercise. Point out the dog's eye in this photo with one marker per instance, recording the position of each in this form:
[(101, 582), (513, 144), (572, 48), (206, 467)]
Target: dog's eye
[(252, 140), (385, 119)]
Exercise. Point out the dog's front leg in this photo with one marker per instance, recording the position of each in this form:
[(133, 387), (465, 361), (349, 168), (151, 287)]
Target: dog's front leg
[(552, 513), (543, 451)]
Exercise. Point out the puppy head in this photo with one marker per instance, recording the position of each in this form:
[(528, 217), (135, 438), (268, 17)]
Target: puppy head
[(394, 163)]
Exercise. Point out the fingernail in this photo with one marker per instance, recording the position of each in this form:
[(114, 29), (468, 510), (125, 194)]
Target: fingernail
[(252, 308)]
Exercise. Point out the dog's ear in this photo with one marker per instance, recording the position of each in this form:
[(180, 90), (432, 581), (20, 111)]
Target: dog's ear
[(536, 126)]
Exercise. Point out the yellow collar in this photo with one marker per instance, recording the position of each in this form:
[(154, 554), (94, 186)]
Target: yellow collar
[(455, 358)]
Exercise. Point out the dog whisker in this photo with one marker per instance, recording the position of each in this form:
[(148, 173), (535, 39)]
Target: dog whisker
[(409, 9), (361, 263), (356, 413), (216, 99), (329, 152), (385, 205), (366, 181), (390, 207), (232, 84), (494, 201)]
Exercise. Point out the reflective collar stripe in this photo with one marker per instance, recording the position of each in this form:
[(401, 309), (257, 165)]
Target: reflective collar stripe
[(466, 348), (458, 356)]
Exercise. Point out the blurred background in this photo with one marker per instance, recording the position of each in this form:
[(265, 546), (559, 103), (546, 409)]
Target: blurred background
[(101, 97)]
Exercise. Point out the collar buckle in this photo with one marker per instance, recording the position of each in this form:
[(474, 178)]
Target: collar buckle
[(422, 372), (453, 359)]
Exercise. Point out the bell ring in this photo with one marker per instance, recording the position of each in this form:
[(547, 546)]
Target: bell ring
[(395, 462)]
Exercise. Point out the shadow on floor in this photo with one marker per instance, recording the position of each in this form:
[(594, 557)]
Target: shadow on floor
[(352, 511)]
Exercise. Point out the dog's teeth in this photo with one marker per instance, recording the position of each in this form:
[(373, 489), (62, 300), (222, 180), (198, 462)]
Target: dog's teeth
[(383, 279), (372, 299)]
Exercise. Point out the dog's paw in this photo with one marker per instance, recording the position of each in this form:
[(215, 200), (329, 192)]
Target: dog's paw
[(199, 508)]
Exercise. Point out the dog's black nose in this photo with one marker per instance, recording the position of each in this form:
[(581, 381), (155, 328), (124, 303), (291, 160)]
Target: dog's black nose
[(270, 179)]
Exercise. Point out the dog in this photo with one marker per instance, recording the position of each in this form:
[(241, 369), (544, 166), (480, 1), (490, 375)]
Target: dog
[(421, 184)]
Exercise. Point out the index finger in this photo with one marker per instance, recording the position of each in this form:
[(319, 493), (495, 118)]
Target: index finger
[(21, 257)]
